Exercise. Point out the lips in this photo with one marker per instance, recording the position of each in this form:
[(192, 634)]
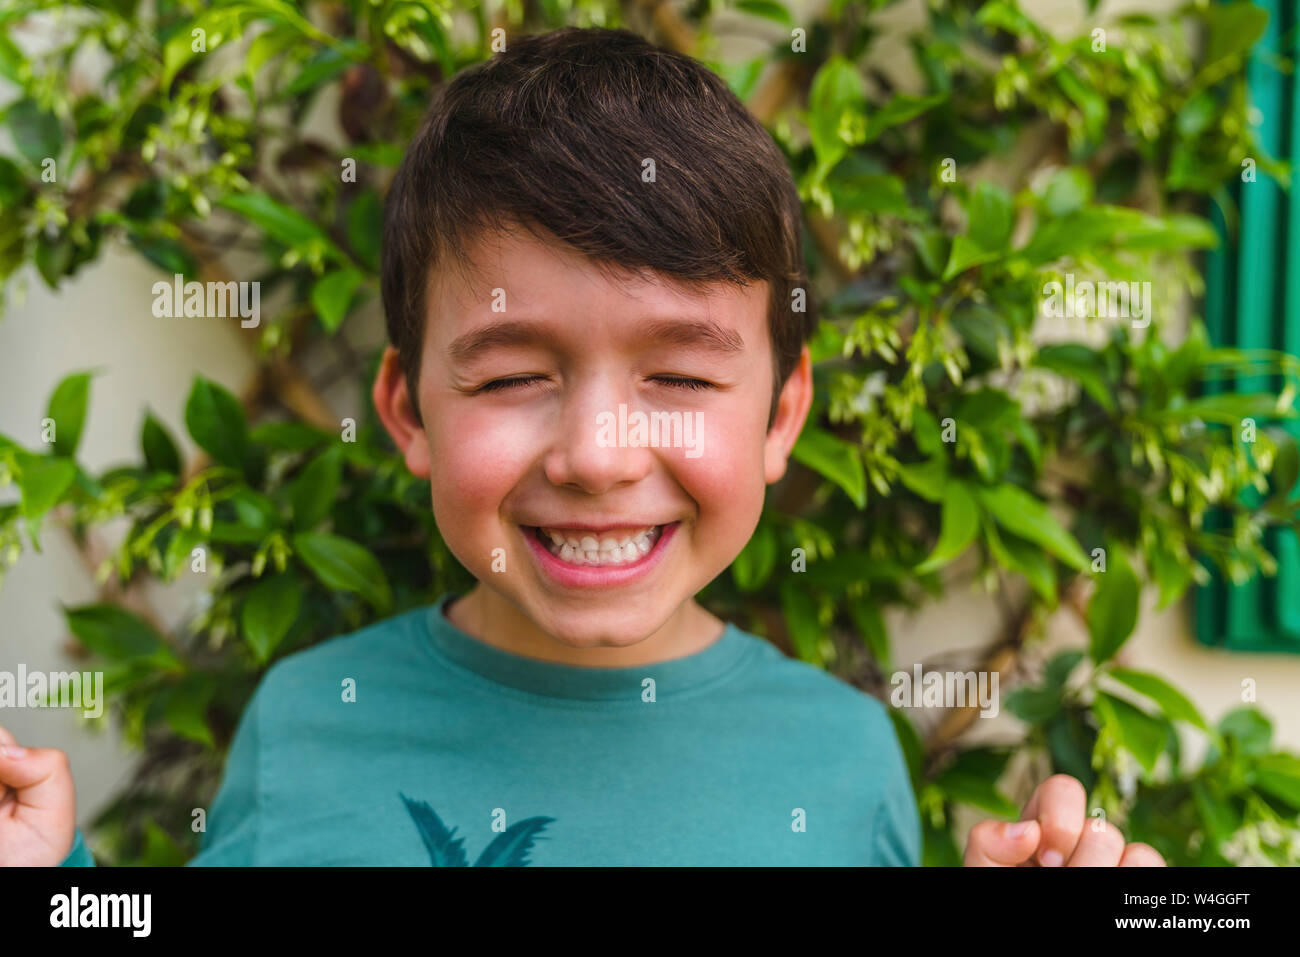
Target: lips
[(575, 570)]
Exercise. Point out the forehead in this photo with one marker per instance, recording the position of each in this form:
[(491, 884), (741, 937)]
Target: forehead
[(513, 277)]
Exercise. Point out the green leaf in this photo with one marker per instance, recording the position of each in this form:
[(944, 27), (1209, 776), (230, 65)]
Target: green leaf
[(1220, 817), (871, 625), (218, 24), (288, 436), (161, 849), (43, 481), (1227, 408), (927, 479), (187, 708), (215, 420), (800, 610), (1070, 741), (925, 431), (280, 222), (931, 249), (1007, 16), (53, 258), (11, 60), (990, 217), (870, 193), (167, 254), (768, 9), (1092, 229), (1286, 468), (117, 634), (312, 494), (1250, 730), (1082, 364), (321, 68), (900, 109), (837, 94), (269, 612), (986, 409), (835, 459), (1231, 29), (910, 742), (1034, 706), (266, 45), (345, 565), (960, 522), (1279, 775), (1068, 190), (364, 225), (1092, 104), (740, 75), (68, 410), (160, 452), (1172, 575), (332, 294), (1172, 702), (1017, 555), (180, 550), (36, 131), (377, 154), (966, 253), (1059, 669), (753, 566), (1139, 733), (1113, 608), (1021, 514), (977, 792)]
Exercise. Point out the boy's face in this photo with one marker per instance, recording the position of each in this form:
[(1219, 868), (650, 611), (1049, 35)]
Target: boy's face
[(534, 454)]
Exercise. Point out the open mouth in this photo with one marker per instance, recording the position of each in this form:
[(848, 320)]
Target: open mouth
[(579, 548)]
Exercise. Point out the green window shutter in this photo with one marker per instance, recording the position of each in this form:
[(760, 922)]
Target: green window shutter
[(1253, 302)]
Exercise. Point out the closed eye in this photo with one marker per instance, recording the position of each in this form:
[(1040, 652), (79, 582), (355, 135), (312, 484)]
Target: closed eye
[(678, 382), (498, 385), (683, 382)]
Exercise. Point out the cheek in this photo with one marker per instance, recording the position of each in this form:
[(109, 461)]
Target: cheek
[(726, 480), (476, 459)]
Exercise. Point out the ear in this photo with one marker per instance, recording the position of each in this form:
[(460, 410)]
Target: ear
[(791, 413), (397, 412)]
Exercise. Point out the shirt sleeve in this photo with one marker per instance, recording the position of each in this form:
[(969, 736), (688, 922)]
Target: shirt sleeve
[(897, 825), (80, 855), (233, 821)]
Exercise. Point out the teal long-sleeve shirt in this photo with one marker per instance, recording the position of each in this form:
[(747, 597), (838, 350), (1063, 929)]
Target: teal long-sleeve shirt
[(411, 743)]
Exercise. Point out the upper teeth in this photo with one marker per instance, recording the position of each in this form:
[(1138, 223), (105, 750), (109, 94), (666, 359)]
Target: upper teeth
[(587, 549)]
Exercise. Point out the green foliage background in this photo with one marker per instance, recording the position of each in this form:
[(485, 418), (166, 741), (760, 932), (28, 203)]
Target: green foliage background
[(943, 423)]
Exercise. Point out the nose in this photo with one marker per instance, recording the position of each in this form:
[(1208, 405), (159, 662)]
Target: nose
[(578, 457)]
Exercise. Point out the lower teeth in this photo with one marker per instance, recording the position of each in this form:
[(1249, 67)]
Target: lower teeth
[(579, 557)]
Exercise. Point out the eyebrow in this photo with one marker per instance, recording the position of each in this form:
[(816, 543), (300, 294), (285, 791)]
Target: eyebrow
[(704, 334)]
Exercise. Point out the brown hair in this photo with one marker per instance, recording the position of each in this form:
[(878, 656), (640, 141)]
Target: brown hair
[(551, 133)]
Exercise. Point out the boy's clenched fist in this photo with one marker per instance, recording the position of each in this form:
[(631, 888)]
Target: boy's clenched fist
[(38, 805)]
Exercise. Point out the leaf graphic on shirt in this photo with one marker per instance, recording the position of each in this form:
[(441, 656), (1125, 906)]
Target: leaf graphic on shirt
[(443, 851), (511, 848), (506, 850)]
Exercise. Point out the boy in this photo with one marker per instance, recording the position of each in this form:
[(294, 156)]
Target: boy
[(587, 234)]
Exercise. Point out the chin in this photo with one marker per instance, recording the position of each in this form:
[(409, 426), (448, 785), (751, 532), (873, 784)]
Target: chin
[(588, 631)]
